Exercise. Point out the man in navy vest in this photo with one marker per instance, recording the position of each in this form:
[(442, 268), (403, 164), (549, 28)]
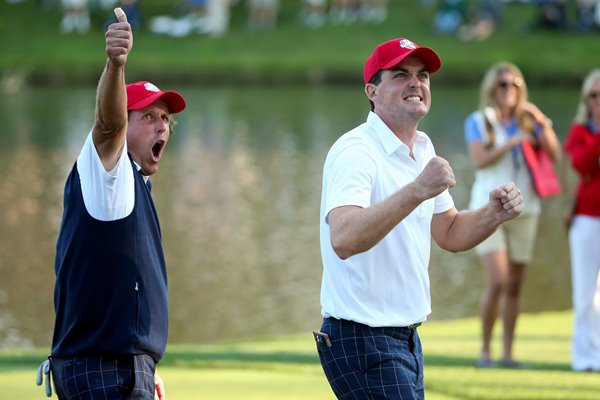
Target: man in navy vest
[(111, 282)]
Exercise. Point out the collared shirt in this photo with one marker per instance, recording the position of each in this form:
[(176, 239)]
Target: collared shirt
[(108, 195), (387, 285)]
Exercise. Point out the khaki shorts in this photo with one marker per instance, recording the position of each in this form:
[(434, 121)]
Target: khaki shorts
[(517, 236)]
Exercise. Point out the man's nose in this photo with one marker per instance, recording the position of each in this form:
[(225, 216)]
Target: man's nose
[(414, 81), (162, 125)]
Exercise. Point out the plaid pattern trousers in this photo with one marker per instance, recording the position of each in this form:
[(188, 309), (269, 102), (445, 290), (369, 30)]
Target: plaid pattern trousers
[(90, 378), (365, 363)]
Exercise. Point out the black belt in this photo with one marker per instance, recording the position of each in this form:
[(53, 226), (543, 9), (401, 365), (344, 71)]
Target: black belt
[(412, 326)]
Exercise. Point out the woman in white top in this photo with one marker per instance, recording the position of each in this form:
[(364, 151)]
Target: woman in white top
[(494, 134)]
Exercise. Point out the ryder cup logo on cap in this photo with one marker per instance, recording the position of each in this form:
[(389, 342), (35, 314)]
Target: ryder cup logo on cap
[(391, 53), (142, 94), (407, 44), (151, 87)]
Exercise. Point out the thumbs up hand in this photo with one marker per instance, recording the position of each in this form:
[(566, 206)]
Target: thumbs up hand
[(119, 39), (120, 14)]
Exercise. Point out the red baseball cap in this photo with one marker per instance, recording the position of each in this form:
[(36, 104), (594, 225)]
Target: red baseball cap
[(389, 54), (142, 94)]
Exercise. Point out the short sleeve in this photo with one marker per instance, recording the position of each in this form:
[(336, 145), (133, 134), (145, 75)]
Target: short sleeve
[(107, 195), (472, 132), (350, 175)]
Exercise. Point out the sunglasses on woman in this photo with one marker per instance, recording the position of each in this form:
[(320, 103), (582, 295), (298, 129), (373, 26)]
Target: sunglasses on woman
[(517, 82)]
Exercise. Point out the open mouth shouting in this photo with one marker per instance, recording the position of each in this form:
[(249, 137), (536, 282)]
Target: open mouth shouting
[(157, 149)]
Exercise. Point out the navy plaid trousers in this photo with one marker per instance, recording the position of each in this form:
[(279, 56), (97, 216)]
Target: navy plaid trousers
[(105, 377), (365, 363)]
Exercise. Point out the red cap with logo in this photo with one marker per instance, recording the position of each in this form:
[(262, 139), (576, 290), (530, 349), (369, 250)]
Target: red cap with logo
[(389, 54), (142, 94)]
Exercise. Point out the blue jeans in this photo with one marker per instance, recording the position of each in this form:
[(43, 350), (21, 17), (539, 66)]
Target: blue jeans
[(372, 363), (106, 377)]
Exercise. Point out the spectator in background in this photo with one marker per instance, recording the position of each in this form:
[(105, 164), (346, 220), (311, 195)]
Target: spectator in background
[(587, 15), (373, 10), (552, 14), (262, 14), (344, 11), (485, 20), (198, 12), (493, 134), (583, 147), (313, 13), (205, 17), (217, 19), (450, 15), (76, 16)]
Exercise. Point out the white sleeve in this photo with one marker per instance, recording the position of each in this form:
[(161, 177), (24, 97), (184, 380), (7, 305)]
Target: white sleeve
[(443, 202), (350, 174), (107, 195)]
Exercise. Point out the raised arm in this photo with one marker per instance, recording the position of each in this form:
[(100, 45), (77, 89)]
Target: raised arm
[(458, 231), (355, 229), (110, 127)]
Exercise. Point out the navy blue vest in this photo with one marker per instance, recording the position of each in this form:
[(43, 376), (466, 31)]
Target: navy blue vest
[(111, 281)]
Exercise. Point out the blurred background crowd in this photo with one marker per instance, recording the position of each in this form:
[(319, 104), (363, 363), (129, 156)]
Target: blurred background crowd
[(465, 19), (477, 20)]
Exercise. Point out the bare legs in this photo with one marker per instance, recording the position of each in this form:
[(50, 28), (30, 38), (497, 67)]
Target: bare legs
[(502, 295)]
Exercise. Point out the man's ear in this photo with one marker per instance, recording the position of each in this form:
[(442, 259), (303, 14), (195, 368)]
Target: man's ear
[(370, 91)]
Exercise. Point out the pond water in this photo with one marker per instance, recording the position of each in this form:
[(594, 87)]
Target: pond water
[(238, 195)]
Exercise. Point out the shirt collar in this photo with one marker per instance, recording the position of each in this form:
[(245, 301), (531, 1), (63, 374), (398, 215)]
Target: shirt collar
[(138, 168), (388, 139)]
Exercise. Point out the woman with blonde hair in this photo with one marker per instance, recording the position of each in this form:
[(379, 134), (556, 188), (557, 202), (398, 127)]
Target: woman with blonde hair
[(494, 133), (583, 147)]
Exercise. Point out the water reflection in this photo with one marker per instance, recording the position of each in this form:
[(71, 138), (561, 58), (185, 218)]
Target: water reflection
[(238, 194)]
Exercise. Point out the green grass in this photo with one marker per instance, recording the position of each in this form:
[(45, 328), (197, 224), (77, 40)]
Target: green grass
[(34, 50), (288, 367)]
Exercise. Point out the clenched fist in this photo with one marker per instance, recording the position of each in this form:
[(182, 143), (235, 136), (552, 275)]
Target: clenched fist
[(436, 177)]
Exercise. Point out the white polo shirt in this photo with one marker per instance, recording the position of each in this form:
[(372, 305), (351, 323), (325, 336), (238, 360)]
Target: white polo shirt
[(387, 285)]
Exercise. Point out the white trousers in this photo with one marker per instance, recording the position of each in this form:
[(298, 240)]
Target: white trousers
[(584, 243)]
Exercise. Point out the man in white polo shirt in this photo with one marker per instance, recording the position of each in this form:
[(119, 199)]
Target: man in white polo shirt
[(385, 194)]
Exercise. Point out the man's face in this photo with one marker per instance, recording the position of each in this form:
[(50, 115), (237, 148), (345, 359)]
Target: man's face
[(147, 135), (403, 92)]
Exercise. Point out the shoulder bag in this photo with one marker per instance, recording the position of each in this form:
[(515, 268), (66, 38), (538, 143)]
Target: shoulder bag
[(541, 169)]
